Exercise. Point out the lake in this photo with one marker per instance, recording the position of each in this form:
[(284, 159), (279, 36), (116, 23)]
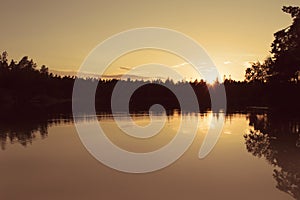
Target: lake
[(256, 157)]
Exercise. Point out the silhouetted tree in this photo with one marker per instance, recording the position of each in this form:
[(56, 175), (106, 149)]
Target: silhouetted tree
[(284, 64), (259, 72), (44, 70), (286, 48)]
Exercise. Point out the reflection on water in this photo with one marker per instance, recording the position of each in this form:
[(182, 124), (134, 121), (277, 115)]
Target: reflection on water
[(277, 139), (58, 160), (24, 131)]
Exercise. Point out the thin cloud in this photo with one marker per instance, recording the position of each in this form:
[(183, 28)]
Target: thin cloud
[(180, 65), (126, 68)]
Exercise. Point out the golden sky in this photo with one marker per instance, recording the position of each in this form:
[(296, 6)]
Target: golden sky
[(61, 33)]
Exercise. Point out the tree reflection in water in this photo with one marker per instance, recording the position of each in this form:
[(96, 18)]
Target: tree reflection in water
[(277, 138), (25, 130)]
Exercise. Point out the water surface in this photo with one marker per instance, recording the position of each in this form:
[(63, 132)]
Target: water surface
[(256, 157)]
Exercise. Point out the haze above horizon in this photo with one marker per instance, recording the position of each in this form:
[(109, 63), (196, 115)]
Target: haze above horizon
[(61, 34)]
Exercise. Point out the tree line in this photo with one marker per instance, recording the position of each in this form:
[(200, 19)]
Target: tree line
[(272, 83)]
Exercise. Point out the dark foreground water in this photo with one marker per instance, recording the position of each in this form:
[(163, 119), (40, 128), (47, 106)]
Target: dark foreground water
[(256, 157)]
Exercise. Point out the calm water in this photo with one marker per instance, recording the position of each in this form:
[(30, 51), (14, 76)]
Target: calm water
[(256, 157)]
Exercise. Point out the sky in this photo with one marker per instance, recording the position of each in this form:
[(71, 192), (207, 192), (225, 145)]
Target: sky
[(61, 33)]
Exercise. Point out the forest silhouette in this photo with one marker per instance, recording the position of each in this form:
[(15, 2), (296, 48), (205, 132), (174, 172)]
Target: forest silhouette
[(273, 83)]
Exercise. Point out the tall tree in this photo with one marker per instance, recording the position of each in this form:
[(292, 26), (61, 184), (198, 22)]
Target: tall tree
[(284, 64), (286, 48)]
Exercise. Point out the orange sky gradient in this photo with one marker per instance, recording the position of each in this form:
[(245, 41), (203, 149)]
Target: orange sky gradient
[(61, 33)]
